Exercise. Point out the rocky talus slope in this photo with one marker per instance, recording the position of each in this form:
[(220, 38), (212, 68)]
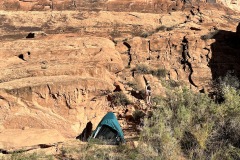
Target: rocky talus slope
[(60, 60)]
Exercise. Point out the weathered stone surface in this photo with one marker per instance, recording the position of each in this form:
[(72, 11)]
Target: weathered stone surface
[(151, 6), (51, 82), (58, 67), (28, 139)]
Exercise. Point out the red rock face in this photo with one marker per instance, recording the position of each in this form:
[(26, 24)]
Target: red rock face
[(60, 63), (152, 6)]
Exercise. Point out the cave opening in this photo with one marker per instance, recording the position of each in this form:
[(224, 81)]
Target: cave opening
[(31, 35), (21, 56)]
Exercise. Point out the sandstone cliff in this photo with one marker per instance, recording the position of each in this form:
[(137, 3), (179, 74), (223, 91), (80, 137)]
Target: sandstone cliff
[(59, 67), (153, 6)]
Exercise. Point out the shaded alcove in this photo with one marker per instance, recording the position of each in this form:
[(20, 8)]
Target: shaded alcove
[(138, 94), (86, 133), (117, 89), (31, 35), (21, 56), (225, 54)]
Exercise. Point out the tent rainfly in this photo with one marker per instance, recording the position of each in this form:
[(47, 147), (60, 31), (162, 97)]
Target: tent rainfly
[(109, 130)]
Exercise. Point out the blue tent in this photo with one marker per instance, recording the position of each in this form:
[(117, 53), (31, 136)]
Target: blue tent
[(109, 130)]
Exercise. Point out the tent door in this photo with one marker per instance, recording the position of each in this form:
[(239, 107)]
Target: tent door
[(107, 134)]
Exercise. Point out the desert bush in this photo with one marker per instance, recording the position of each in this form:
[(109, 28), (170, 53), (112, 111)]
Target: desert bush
[(193, 125), (224, 142), (131, 84), (157, 136), (160, 28), (231, 105), (186, 124), (160, 72), (174, 120), (138, 114), (223, 84), (134, 85), (174, 84), (142, 69), (156, 100), (188, 143), (119, 98), (164, 28), (170, 28), (145, 34), (171, 84), (229, 80), (228, 153), (232, 130)]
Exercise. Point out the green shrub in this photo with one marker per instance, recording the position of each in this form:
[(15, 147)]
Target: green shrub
[(138, 114), (145, 34), (157, 100), (134, 85), (174, 84), (170, 28), (160, 73), (148, 33), (177, 114), (119, 98), (222, 85), (171, 84), (229, 80), (160, 28), (142, 69), (193, 125), (227, 152)]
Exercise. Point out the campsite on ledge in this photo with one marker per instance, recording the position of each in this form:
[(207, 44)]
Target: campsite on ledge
[(119, 79)]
